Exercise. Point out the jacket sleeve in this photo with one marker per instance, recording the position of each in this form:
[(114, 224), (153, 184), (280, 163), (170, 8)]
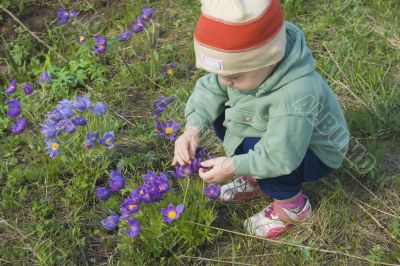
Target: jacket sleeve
[(206, 102), (280, 150)]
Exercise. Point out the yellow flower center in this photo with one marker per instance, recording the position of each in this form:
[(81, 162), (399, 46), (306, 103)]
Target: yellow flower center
[(171, 214), (169, 130), (81, 38), (54, 146), (102, 46), (141, 192), (170, 72), (132, 206), (108, 142), (186, 170)]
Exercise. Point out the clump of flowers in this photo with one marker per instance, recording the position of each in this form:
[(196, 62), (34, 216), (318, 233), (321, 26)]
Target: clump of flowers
[(116, 183), (14, 110), (146, 15), (60, 119), (64, 15), (151, 190)]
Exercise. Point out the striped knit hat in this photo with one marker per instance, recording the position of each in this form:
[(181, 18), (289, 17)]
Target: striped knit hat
[(234, 36)]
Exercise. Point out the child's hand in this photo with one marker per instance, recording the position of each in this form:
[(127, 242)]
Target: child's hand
[(186, 145), (222, 169)]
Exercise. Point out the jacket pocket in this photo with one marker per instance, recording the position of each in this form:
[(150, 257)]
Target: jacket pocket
[(238, 119)]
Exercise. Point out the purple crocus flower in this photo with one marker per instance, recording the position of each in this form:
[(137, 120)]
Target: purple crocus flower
[(168, 129), (147, 13), (149, 177), (14, 108), (108, 140), (45, 77), (19, 126), (101, 44), (64, 15), (139, 25), (12, 88), (136, 195), (195, 165), (110, 222), (125, 35), (102, 193), (91, 139), (171, 213), (49, 131), (144, 193), (134, 228), (81, 103), (73, 14), (129, 206), (81, 39), (169, 71), (99, 109), (117, 181), (201, 152), (69, 126), (182, 171), (155, 193), (161, 185), (28, 89), (164, 176), (55, 115), (65, 103), (79, 121), (162, 103), (53, 149), (212, 191)]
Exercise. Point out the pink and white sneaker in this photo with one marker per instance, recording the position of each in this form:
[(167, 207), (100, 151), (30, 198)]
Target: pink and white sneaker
[(271, 222), (244, 187)]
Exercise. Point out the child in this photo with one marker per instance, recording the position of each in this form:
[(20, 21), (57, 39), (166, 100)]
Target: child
[(280, 122)]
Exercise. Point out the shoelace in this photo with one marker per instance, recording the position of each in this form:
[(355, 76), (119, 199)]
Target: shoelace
[(269, 212)]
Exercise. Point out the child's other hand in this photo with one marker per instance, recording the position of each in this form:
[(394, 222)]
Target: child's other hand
[(221, 170), (186, 146)]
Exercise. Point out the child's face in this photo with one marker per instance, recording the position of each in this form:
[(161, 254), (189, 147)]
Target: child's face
[(247, 81)]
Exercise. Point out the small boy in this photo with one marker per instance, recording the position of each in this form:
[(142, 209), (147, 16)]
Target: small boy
[(280, 123)]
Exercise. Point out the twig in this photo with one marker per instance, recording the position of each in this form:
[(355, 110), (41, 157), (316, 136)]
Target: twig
[(376, 221), (31, 33), (378, 210), (372, 193), (298, 245)]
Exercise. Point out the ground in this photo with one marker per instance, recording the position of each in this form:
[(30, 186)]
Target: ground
[(48, 212)]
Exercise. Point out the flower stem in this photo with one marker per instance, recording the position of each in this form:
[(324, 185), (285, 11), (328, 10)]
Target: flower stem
[(186, 190)]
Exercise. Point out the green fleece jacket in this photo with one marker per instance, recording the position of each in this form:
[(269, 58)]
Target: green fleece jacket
[(292, 110)]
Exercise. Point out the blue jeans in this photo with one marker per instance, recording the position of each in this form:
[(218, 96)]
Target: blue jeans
[(285, 186)]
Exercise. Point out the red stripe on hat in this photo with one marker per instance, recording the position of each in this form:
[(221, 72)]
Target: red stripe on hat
[(237, 37)]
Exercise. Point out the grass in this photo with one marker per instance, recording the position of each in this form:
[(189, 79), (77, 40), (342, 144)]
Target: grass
[(48, 214)]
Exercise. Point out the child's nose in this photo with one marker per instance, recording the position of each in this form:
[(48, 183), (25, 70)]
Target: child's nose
[(225, 81)]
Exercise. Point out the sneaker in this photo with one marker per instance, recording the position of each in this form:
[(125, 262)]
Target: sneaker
[(244, 187), (270, 223)]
